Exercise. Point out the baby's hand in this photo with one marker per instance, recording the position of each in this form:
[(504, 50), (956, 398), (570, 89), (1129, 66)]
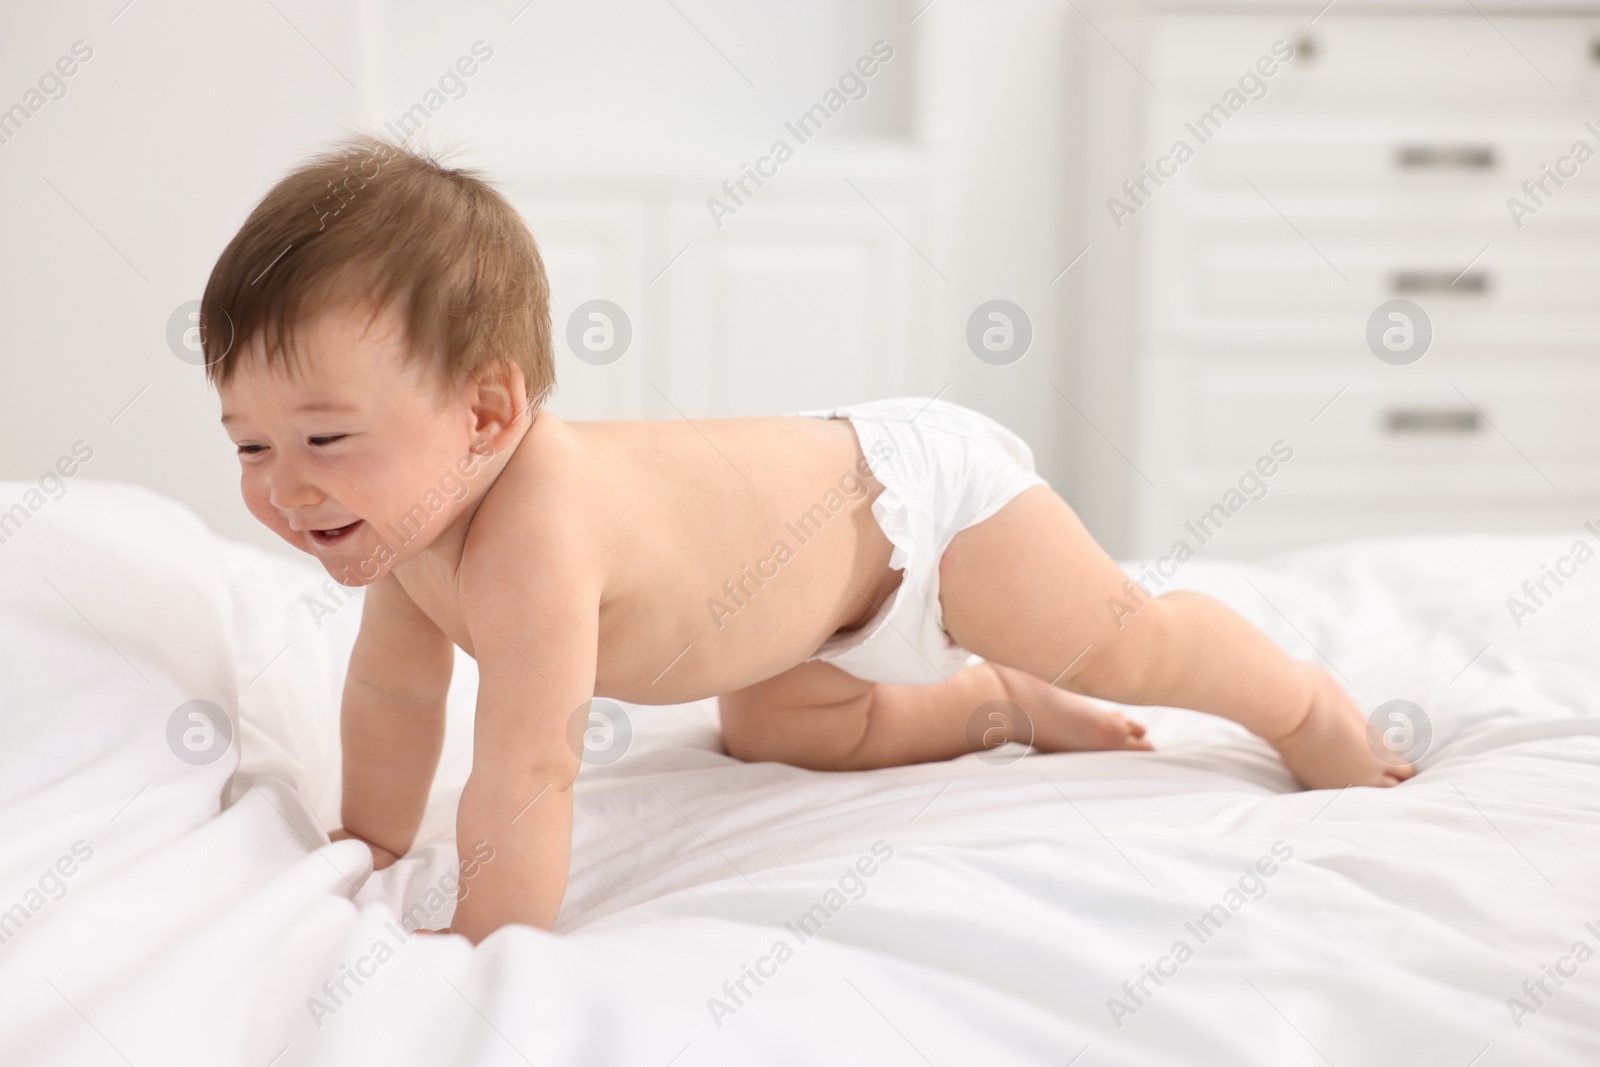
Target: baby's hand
[(381, 857), (1334, 746)]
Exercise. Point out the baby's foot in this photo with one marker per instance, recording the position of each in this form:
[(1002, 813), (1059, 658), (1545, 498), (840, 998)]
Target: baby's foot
[(1067, 722), (1334, 746)]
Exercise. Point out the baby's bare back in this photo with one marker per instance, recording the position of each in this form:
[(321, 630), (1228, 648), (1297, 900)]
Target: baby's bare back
[(730, 548)]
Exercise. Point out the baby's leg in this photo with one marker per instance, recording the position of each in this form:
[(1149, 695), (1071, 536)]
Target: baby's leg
[(817, 716), (1030, 588)]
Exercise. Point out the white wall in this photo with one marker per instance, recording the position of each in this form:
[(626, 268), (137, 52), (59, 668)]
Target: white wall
[(609, 123), (118, 198)]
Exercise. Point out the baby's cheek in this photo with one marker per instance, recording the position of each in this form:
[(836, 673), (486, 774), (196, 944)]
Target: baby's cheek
[(254, 499), (256, 502)]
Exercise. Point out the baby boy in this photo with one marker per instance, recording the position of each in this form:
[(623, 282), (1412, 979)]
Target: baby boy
[(856, 585)]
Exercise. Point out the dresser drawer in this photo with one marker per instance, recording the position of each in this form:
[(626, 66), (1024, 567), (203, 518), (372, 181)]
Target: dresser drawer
[(1243, 267), (1499, 421), (1341, 147), (1398, 58), (1534, 279), (1413, 423)]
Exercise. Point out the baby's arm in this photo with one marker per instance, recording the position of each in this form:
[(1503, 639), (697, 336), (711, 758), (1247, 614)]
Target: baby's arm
[(393, 720), (533, 608)]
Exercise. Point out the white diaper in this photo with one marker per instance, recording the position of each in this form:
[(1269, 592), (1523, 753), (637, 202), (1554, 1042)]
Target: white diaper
[(945, 468)]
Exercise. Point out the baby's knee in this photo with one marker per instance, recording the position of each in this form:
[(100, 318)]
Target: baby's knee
[(741, 730), (816, 738)]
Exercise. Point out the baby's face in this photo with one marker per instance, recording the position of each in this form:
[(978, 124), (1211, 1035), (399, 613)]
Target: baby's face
[(353, 457)]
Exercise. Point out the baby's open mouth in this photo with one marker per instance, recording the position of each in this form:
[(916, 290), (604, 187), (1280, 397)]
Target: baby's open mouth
[(335, 535)]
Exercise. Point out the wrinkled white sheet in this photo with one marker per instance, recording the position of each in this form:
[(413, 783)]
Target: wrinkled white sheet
[(1013, 903)]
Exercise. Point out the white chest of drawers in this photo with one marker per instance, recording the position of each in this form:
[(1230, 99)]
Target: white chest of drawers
[(1381, 162)]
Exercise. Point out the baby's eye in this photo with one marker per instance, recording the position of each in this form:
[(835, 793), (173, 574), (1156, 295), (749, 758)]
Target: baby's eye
[(250, 450), (324, 439)]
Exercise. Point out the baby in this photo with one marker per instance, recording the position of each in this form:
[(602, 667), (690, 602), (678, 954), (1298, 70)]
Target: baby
[(378, 332)]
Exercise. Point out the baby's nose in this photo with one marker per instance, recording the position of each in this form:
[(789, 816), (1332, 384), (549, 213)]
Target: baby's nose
[(290, 492)]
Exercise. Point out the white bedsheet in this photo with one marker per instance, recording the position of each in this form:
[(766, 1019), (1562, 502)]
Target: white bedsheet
[(1006, 905)]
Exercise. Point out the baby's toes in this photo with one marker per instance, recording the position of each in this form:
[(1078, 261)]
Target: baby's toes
[(1394, 775), (1131, 734)]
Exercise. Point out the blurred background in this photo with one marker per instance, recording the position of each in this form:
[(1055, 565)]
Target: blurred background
[(1371, 269)]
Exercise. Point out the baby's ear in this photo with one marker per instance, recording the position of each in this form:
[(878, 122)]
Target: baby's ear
[(497, 395)]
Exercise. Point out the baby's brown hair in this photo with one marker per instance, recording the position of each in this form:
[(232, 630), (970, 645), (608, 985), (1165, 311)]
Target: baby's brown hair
[(372, 222)]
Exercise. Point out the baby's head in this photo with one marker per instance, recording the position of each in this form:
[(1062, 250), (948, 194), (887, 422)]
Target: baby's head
[(378, 330)]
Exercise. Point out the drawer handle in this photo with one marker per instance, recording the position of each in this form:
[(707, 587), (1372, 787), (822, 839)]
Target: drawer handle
[(1446, 157), (1418, 420), (1440, 281)]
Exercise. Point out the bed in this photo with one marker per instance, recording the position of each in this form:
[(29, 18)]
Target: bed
[(168, 894)]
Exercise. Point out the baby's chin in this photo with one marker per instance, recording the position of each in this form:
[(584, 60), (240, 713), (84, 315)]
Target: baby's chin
[(358, 575), (349, 579), (352, 574)]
